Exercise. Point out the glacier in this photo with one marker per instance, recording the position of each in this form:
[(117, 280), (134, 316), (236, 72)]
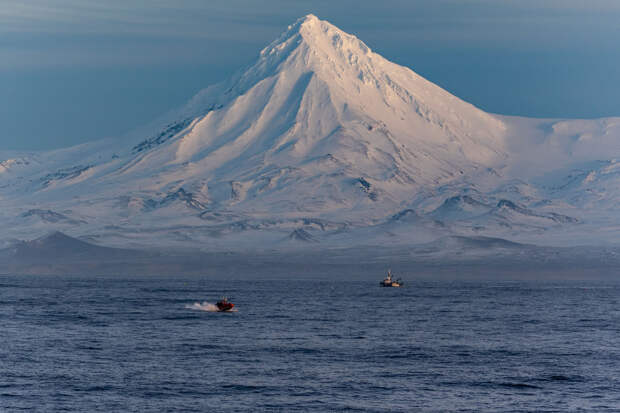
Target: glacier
[(321, 143)]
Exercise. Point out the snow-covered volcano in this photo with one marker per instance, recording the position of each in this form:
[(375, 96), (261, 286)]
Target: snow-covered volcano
[(321, 142)]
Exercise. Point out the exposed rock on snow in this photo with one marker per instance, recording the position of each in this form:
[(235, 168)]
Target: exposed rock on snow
[(51, 216), (301, 235)]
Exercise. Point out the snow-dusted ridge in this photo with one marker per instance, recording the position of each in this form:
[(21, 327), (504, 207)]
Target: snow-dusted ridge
[(323, 143)]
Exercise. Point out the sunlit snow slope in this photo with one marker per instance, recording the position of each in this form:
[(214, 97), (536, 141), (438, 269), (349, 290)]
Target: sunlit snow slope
[(323, 143)]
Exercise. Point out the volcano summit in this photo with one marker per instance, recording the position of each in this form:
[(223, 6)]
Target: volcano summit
[(323, 143)]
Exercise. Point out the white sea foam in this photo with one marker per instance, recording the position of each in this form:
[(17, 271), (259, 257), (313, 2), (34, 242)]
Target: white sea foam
[(205, 306)]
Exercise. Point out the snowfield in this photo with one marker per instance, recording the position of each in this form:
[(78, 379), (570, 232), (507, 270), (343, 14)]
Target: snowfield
[(322, 143)]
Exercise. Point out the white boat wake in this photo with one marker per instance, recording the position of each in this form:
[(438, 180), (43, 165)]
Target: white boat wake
[(206, 306)]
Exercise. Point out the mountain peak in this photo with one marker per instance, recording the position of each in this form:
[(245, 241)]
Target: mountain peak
[(308, 19), (308, 24), (315, 35), (317, 90)]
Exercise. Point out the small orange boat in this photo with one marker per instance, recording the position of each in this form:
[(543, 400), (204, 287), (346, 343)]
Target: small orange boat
[(224, 305)]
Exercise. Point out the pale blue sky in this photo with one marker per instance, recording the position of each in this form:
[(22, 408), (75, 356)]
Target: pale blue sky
[(79, 70)]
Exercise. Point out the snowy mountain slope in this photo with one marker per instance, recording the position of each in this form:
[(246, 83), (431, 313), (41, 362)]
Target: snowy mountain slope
[(322, 141)]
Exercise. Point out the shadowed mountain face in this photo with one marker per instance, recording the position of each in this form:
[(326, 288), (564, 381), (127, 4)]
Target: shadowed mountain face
[(58, 246), (322, 143), (58, 253)]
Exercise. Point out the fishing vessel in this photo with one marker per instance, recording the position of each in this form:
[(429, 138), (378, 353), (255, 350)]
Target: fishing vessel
[(389, 282)]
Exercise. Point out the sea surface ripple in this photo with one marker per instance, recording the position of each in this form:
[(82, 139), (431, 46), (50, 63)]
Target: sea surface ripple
[(143, 344)]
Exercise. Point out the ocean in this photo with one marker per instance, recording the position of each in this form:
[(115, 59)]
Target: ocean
[(152, 344)]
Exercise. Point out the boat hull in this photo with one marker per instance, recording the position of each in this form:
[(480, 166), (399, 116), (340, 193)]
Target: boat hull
[(390, 284), (224, 306)]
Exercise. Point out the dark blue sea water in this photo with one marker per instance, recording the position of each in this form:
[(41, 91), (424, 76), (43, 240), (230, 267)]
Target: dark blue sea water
[(93, 344)]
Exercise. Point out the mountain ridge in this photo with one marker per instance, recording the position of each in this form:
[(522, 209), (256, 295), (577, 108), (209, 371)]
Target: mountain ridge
[(323, 139)]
